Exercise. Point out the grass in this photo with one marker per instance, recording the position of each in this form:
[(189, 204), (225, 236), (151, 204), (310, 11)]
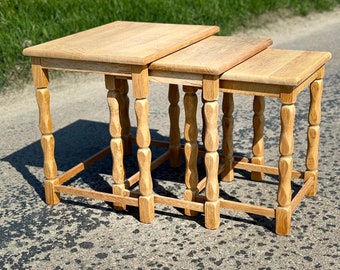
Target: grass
[(28, 22)]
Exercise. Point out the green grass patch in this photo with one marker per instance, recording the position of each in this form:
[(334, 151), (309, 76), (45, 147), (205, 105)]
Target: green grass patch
[(28, 22)]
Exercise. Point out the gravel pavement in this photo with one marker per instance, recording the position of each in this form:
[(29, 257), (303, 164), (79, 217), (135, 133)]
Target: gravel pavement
[(87, 234)]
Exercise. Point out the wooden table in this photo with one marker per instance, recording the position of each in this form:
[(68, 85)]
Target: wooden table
[(200, 66), (118, 50), (281, 74)]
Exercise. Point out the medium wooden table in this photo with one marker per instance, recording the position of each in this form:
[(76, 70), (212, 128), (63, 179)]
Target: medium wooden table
[(118, 50), (200, 66)]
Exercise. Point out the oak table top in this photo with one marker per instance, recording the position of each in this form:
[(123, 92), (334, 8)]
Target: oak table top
[(291, 67), (212, 56), (134, 43)]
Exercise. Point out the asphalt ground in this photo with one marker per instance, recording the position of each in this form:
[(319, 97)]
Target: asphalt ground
[(81, 233)]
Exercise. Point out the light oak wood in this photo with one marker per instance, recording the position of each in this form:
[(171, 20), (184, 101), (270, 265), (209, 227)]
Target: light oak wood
[(115, 69), (39, 73), (50, 165), (115, 128), (116, 199), (144, 162), (313, 134), (174, 133), (314, 187), (140, 92), (184, 204), (278, 67), (285, 166), (133, 43), (212, 186), (190, 147), (282, 74), (146, 208), (203, 123), (146, 203), (227, 140), (40, 78), (283, 216), (118, 170), (211, 158), (45, 120), (287, 128), (258, 139), (123, 88), (212, 56), (143, 134), (212, 217), (52, 195), (248, 208), (178, 78), (245, 165)]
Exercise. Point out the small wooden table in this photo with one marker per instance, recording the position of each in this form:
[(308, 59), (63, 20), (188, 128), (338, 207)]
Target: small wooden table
[(118, 50), (281, 74)]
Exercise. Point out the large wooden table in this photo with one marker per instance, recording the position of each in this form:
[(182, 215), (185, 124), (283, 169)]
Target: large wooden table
[(191, 56), (118, 50)]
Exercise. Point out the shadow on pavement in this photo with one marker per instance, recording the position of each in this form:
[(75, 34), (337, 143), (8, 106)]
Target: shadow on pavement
[(82, 139)]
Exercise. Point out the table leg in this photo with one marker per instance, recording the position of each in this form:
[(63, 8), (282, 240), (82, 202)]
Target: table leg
[(258, 140), (313, 134), (285, 167), (115, 128), (174, 134), (124, 103), (203, 123), (191, 146), (40, 78), (211, 159), (227, 143), (140, 84)]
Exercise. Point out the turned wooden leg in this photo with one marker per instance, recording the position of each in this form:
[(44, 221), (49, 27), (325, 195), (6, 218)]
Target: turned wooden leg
[(40, 78), (211, 159), (203, 122), (285, 167), (140, 84), (174, 134), (191, 146), (313, 135), (124, 103), (115, 128), (227, 142), (258, 140)]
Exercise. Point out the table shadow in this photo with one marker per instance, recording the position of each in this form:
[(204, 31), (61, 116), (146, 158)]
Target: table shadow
[(82, 139), (73, 144)]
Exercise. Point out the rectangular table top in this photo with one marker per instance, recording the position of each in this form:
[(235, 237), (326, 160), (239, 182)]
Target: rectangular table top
[(280, 67), (212, 56), (135, 43)]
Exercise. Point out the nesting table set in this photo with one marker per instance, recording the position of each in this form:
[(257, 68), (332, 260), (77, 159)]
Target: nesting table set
[(192, 56)]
